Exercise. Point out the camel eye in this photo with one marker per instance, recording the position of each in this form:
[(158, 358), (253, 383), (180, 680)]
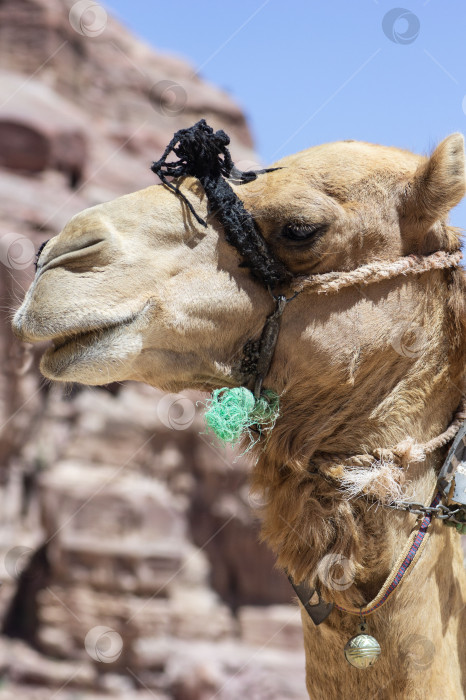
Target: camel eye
[(302, 232)]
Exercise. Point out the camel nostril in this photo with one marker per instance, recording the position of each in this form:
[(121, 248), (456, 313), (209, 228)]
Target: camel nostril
[(86, 246), (39, 251), (72, 252)]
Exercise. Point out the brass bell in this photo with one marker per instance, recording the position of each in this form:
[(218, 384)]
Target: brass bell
[(362, 650)]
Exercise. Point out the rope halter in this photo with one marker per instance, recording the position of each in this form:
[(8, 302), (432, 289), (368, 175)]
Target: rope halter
[(203, 154)]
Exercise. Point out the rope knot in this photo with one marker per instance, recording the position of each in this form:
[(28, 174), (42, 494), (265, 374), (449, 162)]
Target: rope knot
[(203, 154), (408, 451)]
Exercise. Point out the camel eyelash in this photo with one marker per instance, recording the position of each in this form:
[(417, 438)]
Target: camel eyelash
[(302, 232)]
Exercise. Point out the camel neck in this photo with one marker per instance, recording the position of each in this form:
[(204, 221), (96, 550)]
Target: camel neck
[(365, 390), (313, 513), (348, 548), (418, 641)]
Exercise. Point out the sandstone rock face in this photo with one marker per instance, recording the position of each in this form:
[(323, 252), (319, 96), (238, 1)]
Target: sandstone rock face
[(39, 130), (129, 557)]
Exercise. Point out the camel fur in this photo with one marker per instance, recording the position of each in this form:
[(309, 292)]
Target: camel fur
[(136, 289)]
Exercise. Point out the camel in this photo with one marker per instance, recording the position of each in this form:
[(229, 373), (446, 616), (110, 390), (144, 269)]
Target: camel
[(137, 289)]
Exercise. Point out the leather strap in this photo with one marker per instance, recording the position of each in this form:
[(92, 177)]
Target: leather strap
[(318, 610)]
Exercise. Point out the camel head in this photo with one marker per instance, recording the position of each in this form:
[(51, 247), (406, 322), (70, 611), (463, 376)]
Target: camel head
[(136, 288)]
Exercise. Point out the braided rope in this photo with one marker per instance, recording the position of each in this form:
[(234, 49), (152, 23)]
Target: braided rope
[(399, 456), (377, 271), (450, 432), (403, 453), (409, 451), (204, 155)]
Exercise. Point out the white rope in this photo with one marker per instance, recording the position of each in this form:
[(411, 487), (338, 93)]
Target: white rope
[(376, 272)]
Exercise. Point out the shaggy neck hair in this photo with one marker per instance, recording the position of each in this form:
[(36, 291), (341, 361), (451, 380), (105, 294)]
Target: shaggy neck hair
[(305, 516)]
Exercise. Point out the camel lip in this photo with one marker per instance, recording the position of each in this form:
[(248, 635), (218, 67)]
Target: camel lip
[(62, 341), (96, 333)]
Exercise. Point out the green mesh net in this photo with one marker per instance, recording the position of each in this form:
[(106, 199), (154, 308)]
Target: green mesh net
[(231, 413)]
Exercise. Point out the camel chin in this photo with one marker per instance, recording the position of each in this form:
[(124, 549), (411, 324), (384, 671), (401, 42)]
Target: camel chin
[(93, 358)]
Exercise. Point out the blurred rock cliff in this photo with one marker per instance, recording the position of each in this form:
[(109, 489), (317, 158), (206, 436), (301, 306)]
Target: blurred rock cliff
[(129, 555)]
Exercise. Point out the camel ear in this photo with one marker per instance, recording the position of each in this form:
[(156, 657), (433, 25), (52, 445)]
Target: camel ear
[(438, 184)]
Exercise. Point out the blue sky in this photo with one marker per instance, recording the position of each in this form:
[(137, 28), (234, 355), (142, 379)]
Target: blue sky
[(310, 71)]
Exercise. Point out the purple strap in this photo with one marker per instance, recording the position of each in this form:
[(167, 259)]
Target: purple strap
[(409, 558)]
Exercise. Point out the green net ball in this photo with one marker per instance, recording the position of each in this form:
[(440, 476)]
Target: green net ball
[(232, 412)]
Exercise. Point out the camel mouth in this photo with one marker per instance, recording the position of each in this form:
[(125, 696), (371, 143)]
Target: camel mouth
[(71, 337), (91, 356), (76, 339), (83, 337)]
